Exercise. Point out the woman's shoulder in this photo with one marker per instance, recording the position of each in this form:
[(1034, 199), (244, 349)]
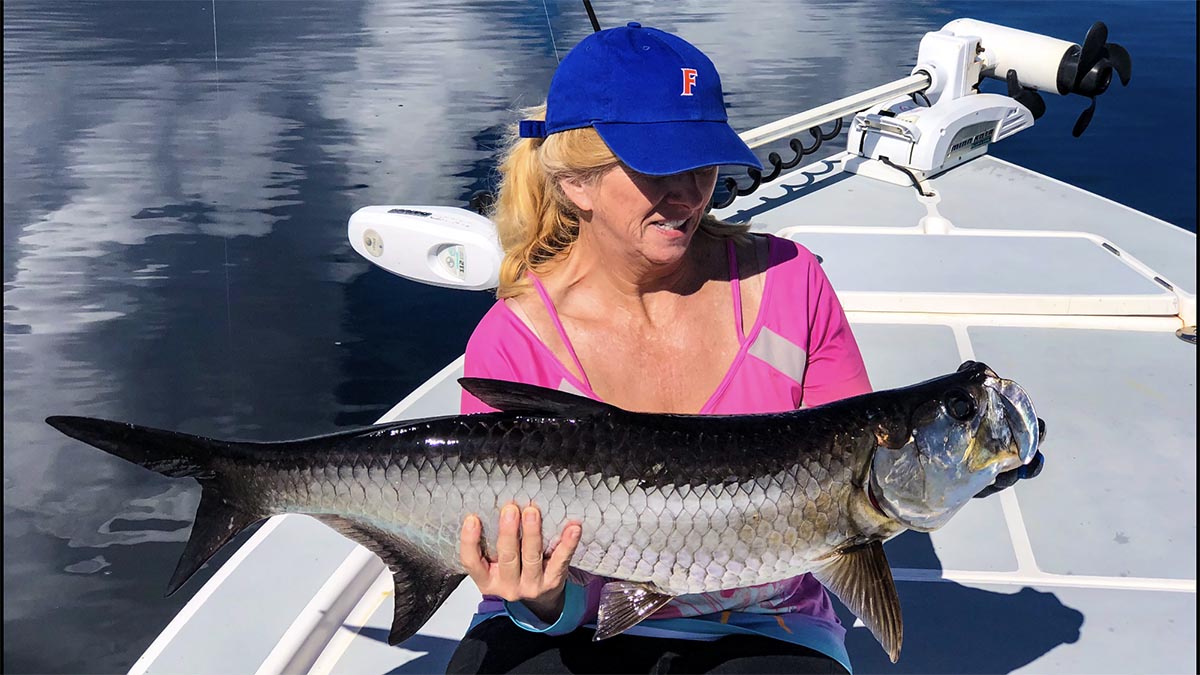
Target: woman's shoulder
[(788, 254), (759, 252), (795, 280), (498, 328), (504, 347)]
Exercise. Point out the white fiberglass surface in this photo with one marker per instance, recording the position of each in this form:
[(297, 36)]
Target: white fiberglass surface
[(272, 583), (1117, 497), (1015, 198), (953, 273), (1065, 572), (1002, 628)]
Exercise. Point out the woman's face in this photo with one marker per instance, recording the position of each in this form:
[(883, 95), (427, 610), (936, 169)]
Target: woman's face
[(651, 216)]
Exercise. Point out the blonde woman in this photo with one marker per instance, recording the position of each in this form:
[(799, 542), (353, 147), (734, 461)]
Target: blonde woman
[(617, 285)]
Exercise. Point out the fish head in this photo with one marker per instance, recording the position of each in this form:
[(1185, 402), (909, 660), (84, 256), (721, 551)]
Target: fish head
[(964, 430)]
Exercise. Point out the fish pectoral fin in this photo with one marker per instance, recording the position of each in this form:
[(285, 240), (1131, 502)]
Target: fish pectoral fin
[(623, 604), (862, 579), (421, 583), (518, 397)]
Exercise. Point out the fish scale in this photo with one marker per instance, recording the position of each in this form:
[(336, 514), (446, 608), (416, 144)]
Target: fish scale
[(669, 504), (629, 526)]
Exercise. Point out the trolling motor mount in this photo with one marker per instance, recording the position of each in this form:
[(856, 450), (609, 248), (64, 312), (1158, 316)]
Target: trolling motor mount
[(952, 122)]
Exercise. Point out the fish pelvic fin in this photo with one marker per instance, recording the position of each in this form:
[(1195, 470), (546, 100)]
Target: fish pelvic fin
[(422, 584), (623, 605), (862, 579), (174, 454), (517, 397)]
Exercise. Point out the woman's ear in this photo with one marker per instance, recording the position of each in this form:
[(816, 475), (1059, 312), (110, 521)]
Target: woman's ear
[(578, 191)]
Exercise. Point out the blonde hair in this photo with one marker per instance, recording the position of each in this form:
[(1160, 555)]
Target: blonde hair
[(535, 220)]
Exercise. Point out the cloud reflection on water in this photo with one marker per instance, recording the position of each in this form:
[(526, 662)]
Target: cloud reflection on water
[(205, 160)]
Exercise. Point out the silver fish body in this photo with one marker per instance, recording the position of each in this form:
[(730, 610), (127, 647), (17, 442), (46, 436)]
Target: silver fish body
[(684, 525), (669, 504)]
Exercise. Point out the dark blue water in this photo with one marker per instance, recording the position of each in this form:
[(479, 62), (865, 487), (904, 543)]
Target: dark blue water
[(174, 225)]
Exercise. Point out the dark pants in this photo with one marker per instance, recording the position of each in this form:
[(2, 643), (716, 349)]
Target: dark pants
[(500, 646)]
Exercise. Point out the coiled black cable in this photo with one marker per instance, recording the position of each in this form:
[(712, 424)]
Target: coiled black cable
[(733, 190)]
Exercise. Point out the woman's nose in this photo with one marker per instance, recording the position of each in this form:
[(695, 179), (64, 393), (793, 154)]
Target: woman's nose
[(684, 189)]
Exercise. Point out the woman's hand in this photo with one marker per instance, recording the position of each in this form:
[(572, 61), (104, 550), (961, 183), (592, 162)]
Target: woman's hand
[(521, 572)]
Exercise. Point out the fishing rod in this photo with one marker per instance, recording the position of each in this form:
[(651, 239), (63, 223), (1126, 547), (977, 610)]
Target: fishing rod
[(587, 4)]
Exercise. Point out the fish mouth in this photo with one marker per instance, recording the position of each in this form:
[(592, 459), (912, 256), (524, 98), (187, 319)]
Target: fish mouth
[(948, 460), (1023, 423)]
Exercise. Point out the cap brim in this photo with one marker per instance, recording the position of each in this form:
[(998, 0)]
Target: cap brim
[(665, 148)]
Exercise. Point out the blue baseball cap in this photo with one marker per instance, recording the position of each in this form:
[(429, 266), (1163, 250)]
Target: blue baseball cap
[(654, 98)]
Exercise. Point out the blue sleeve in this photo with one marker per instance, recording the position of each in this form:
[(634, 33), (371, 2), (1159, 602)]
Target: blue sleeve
[(574, 607)]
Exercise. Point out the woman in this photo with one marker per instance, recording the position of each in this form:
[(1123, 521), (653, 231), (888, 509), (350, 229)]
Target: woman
[(618, 286)]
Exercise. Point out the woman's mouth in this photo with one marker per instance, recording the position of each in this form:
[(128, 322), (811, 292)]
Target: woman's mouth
[(670, 225)]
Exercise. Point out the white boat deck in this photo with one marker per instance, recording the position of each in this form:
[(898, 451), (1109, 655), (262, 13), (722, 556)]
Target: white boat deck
[(1090, 568)]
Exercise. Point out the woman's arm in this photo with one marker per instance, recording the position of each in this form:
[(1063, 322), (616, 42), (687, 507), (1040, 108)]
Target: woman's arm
[(835, 368)]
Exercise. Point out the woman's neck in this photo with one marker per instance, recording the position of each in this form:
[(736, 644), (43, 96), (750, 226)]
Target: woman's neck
[(595, 278)]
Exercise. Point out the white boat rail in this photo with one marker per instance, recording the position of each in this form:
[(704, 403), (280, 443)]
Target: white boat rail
[(834, 110)]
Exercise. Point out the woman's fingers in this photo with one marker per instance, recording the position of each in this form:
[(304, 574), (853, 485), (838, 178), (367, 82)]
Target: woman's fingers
[(532, 559), (508, 552), (560, 558), (521, 570), (469, 552)]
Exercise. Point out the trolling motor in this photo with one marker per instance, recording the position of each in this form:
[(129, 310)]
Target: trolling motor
[(434, 245), (953, 122)]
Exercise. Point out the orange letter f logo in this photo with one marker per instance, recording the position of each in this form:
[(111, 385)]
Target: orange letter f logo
[(689, 80)]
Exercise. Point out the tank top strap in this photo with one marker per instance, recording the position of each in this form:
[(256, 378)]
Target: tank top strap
[(562, 333), (736, 285)]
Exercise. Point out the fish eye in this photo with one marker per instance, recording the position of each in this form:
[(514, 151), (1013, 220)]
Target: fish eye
[(959, 404)]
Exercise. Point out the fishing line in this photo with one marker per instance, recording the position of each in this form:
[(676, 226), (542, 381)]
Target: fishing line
[(224, 239), (553, 43)]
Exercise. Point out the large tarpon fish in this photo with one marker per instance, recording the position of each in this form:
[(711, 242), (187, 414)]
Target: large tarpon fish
[(669, 504)]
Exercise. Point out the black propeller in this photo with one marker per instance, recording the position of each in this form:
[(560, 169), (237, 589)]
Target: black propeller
[(1085, 118), (1088, 70), (1026, 96)]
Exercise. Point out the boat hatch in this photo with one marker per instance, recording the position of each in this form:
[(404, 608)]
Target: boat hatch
[(984, 274)]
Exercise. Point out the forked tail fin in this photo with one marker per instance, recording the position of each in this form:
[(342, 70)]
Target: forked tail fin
[(174, 454), (227, 505)]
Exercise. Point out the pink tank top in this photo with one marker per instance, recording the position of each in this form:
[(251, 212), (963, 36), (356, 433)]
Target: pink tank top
[(800, 351)]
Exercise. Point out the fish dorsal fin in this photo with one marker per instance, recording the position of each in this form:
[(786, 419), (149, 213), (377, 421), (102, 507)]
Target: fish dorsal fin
[(517, 397), (422, 584), (623, 604), (862, 579)]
